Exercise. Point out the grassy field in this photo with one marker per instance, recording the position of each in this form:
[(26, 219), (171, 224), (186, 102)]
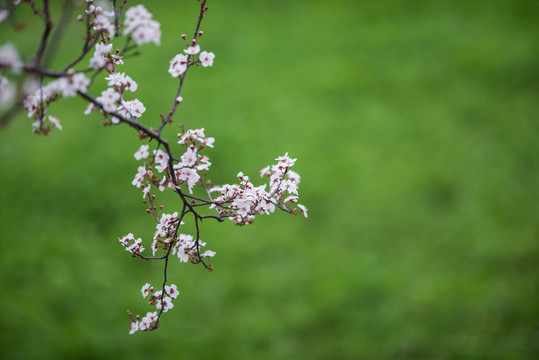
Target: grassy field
[(415, 127)]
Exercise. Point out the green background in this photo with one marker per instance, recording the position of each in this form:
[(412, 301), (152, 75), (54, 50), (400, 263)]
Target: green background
[(415, 127)]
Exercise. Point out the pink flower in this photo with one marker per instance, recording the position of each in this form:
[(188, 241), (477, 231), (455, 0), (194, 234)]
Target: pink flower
[(206, 58)]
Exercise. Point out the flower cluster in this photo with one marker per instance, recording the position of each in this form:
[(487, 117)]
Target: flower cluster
[(247, 200), (161, 303), (132, 245), (139, 24), (180, 62)]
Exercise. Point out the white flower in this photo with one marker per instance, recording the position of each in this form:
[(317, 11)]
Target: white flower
[(99, 59), (206, 58), (9, 57), (139, 177), (178, 65), (8, 91), (154, 246), (55, 121), (135, 107), (189, 175), (208, 253), (108, 99), (189, 157), (125, 240), (145, 290), (303, 210), (172, 291), (134, 328), (146, 191), (192, 50), (142, 152), (122, 80), (166, 304)]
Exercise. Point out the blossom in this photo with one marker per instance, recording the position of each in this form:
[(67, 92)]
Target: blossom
[(192, 50), (160, 158), (150, 32), (99, 59), (126, 239), (139, 23), (9, 57), (55, 121), (166, 304), (69, 86), (147, 321), (189, 157), (122, 80), (166, 226), (291, 198), (108, 100), (142, 152), (135, 107), (145, 290), (303, 209), (208, 253), (146, 191), (91, 9), (4, 14), (206, 58), (172, 291), (136, 247), (139, 177), (265, 171), (285, 162), (8, 91), (154, 247), (178, 65), (117, 59), (195, 135), (134, 327), (187, 175), (102, 20)]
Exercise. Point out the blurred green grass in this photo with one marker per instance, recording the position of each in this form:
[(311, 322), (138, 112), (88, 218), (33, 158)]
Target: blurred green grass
[(415, 128)]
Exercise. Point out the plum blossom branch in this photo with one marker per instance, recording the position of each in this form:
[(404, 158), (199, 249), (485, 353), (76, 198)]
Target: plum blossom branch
[(165, 169)]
